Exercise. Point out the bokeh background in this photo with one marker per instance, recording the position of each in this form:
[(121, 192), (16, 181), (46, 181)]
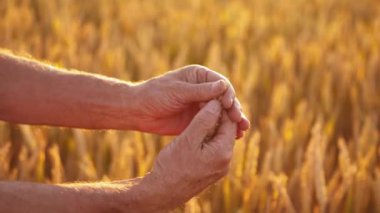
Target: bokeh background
[(307, 73)]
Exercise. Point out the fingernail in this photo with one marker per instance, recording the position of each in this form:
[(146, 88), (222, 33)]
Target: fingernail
[(231, 101), (219, 85), (214, 106), (224, 85)]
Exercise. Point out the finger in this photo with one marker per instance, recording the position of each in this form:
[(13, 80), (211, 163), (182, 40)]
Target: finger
[(244, 124), (239, 117), (202, 92), (228, 97), (199, 74), (203, 123), (234, 112), (239, 134), (226, 133)]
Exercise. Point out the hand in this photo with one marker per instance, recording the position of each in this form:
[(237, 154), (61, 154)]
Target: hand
[(189, 164), (169, 102)]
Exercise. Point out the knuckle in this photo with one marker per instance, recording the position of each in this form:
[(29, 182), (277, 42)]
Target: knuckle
[(196, 66), (191, 69), (238, 105), (196, 73), (222, 159), (225, 158)]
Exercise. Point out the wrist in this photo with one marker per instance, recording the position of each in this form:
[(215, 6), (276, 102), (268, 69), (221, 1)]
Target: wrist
[(153, 196), (134, 103), (128, 112), (119, 110), (139, 94)]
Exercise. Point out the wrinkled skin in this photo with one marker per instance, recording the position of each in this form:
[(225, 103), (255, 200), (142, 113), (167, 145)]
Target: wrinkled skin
[(189, 164), (169, 102)]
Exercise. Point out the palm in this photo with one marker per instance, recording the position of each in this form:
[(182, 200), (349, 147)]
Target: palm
[(168, 116)]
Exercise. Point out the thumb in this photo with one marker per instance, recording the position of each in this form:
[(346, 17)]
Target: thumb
[(226, 133), (203, 91), (203, 123)]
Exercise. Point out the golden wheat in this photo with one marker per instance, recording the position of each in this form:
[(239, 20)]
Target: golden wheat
[(307, 74)]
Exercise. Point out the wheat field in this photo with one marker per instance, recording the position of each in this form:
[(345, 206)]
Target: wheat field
[(306, 71)]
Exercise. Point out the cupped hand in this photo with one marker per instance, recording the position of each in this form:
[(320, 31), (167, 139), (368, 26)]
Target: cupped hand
[(197, 158), (167, 103)]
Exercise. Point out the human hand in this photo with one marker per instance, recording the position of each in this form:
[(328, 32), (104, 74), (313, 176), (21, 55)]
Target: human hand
[(189, 164), (169, 102)]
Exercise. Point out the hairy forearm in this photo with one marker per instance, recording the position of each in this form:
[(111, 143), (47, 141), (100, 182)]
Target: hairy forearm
[(35, 93), (134, 195), (32, 197)]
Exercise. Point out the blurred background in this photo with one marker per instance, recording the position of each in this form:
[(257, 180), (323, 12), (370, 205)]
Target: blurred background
[(307, 73)]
